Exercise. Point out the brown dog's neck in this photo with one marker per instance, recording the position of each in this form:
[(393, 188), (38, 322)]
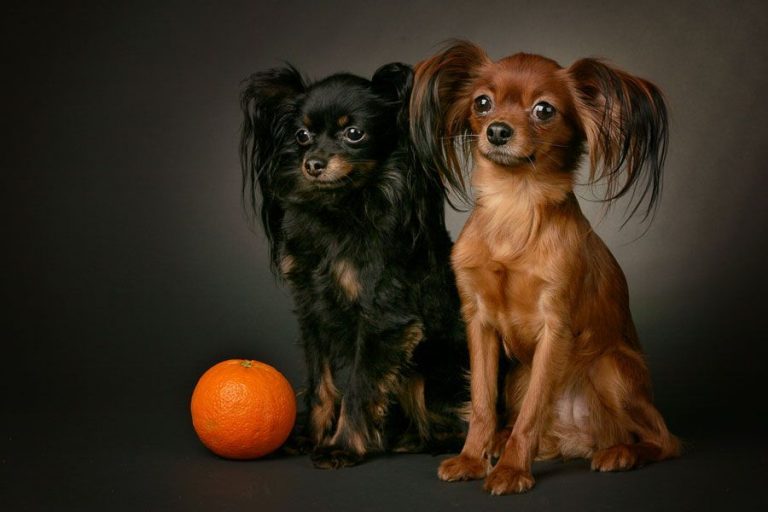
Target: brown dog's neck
[(516, 202)]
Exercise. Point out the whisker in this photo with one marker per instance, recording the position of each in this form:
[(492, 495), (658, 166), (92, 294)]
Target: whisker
[(557, 162), (542, 141), (460, 138), (535, 171)]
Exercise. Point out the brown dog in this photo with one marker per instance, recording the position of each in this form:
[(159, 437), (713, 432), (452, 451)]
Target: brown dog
[(533, 276)]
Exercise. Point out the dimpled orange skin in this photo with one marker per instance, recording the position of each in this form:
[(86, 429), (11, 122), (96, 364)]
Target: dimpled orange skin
[(243, 409)]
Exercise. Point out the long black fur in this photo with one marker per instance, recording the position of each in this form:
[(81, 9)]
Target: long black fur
[(383, 222)]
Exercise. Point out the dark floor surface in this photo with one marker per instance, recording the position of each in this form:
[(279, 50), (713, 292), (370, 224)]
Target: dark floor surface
[(155, 462)]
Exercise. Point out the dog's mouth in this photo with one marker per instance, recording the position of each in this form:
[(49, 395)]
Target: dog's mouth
[(330, 183), (337, 173), (504, 157)]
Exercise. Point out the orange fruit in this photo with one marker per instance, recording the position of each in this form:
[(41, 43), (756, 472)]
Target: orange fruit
[(243, 409)]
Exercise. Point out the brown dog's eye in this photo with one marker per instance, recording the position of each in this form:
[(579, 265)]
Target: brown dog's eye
[(543, 111), (303, 137), (483, 104), (353, 134)]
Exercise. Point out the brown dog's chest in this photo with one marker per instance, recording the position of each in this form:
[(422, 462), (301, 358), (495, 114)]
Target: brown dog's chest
[(507, 298)]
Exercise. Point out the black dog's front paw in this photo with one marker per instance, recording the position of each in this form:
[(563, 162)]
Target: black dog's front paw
[(334, 457), (409, 443), (297, 444)]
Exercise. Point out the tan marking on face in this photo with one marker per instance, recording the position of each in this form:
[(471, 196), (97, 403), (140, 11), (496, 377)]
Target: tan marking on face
[(337, 168), (323, 413), (307, 122), (343, 121), (347, 277)]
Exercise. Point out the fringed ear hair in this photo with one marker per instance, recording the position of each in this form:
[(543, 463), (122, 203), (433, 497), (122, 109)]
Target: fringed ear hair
[(268, 106), (395, 81), (624, 120), (440, 106)]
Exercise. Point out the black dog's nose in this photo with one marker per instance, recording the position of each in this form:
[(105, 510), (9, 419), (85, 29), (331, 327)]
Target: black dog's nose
[(315, 166), (499, 133)]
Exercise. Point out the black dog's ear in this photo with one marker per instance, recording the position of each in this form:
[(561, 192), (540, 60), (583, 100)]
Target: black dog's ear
[(268, 106), (395, 81)]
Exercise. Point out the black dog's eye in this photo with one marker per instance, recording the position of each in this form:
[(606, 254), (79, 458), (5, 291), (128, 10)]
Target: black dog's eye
[(353, 134), (483, 104), (303, 137), (543, 111)]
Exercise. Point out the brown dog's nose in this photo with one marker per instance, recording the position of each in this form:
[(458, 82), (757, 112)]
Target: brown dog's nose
[(315, 166), (499, 133)]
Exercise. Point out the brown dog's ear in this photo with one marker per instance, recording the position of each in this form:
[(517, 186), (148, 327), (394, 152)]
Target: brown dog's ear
[(440, 107), (624, 120)]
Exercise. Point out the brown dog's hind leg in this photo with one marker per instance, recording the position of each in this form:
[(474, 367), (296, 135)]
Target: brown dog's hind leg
[(621, 380)]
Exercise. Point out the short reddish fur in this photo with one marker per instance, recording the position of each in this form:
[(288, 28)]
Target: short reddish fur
[(535, 280)]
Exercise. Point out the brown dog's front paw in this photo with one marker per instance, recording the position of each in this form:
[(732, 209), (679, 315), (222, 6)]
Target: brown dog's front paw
[(508, 480), (620, 457), (461, 467), (334, 457)]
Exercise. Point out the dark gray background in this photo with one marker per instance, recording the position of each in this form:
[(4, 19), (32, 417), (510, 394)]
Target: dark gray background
[(129, 266)]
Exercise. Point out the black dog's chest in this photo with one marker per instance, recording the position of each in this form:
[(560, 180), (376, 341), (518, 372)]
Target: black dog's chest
[(343, 277), (324, 272)]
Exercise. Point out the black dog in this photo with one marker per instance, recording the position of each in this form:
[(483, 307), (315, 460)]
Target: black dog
[(357, 228)]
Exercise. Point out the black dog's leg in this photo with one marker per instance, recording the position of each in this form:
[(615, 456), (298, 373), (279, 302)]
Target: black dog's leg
[(375, 375), (322, 401), (304, 436), (321, 397), (299, 442)]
